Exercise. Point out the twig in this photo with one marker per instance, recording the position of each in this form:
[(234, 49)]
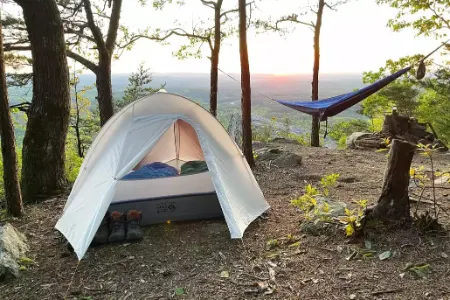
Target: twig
[(434, 190), (99, 291), (387, 292), (71, 280), (420, 198)]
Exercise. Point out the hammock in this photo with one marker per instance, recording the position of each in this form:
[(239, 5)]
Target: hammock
[(334, 105)]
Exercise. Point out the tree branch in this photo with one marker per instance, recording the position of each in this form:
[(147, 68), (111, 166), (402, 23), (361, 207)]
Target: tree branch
[(293, 20), (79, 33), (439, 16), (234, 10), (16, 48), (94, 29), (210, 4), (85, 62), (24, 106), (113, 25), (331, 7)]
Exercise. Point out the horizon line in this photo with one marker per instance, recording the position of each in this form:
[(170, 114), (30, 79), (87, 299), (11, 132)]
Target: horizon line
[(237, 73)]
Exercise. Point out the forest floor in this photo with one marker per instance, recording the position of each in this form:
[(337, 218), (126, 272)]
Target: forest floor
[(188, 260)]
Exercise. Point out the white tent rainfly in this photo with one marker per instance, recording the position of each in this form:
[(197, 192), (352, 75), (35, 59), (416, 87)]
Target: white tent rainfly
[(167, 131)]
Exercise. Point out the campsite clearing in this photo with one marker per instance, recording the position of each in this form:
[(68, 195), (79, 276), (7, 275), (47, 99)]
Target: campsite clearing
[(198, 260)]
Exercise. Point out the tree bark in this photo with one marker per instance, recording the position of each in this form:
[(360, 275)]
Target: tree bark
[(104, 89), (48, 117), (393, 204), (10, 173), (215, 59), (246, 103), (315, 140)]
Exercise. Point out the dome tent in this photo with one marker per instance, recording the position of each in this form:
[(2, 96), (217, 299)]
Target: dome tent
[(170, 129)]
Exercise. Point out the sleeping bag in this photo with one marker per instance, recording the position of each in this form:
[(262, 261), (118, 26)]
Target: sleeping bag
[(194, 167), (153, 170)]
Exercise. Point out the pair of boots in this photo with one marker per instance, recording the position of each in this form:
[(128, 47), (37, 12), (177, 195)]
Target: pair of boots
[(119, 227)]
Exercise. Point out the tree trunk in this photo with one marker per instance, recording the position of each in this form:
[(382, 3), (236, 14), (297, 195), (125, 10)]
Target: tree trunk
[(48, 117), (393, 204), (10, 176), (104, 89), (215, 60), (246, 103), (315, 140)]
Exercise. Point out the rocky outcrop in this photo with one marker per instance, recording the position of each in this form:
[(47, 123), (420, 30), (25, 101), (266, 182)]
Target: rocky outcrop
[(278, 157), (399, 127), (13, 246), (354, 138)]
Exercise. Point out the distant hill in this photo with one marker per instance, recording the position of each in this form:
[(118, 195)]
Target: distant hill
[(196, 87)]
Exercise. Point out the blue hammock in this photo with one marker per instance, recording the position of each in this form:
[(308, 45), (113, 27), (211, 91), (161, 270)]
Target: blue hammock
[(334, 105)]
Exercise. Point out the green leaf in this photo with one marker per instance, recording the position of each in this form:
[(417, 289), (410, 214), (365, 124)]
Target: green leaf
[(224, 274), (297, 244), (421, 270), (385, 255), (368, 244), (179, 291)]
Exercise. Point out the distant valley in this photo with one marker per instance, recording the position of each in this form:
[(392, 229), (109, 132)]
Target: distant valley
[(196, 87)]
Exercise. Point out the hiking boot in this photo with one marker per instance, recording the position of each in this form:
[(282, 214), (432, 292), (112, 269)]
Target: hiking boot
[(118, 221), (101, 236), (134, 230)]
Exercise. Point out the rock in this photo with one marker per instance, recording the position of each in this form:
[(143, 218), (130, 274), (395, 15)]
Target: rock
[(351, 139), (8, 267), (336, 208), (13, 246), (317, 226), (268, 153), (12, 242), (278, 157), (285, 141), (288, 160)]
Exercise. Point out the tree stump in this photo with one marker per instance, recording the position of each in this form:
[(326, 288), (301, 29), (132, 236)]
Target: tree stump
[(393, 204), (396, 125)]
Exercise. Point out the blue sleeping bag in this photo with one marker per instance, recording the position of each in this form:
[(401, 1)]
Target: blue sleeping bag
[(153, 170)]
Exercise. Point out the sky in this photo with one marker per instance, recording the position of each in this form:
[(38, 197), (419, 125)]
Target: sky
[(354, 39)]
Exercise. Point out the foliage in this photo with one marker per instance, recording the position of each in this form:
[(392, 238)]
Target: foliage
[(19, 170), (84, 120), (339, 131), (137, 87), (265, 132), (426, 17), (426, 100), (202, 33), (353, 218), (434, 103), (307, 203), (327, 182), (402, 94), (286, 128), (269, 131), (422, 181), (73, 162), (312, 211), (376, 124)]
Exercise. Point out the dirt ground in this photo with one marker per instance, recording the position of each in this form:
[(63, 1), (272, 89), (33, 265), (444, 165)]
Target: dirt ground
[(188, 260)]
